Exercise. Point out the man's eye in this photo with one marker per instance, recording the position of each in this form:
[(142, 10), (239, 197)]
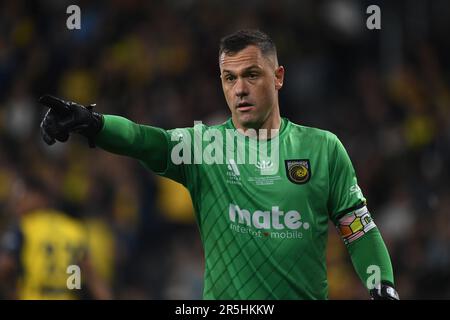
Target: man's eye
[(253, 75), (229, 78)]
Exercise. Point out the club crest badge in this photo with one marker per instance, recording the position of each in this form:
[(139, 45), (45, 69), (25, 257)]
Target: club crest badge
[(298, 171)]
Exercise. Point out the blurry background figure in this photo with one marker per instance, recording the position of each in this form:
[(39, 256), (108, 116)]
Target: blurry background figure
[(40, 246), (385, 93), (175, 201)]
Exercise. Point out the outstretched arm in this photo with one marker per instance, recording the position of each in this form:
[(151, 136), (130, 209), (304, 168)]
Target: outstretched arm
[(112, 133), (122, 136)]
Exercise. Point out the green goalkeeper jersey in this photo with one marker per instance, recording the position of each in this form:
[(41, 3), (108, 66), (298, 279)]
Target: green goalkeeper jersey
[(263, 223), (264, 229)]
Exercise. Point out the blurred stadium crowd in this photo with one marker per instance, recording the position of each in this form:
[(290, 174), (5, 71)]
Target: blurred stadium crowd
[(385, 93)]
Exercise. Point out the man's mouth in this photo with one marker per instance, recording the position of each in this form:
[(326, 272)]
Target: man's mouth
[(244, 106)]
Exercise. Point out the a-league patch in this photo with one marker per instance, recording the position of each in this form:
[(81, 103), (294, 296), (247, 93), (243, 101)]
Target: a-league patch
[(355, 224), (298, 171)]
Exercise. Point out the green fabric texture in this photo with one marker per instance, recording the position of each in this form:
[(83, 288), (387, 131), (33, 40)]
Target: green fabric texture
[(145, 143), (370, 250)]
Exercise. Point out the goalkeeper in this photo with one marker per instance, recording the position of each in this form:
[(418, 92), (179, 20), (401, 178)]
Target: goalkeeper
[(264, 224)]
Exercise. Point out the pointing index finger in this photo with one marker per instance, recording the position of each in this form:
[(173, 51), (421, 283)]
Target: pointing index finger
[(57, 104)]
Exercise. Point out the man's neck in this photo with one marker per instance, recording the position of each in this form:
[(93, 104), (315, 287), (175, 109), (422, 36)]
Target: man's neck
[(270, 127)]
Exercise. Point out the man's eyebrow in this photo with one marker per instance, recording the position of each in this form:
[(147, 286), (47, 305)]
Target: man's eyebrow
[(253, 66)]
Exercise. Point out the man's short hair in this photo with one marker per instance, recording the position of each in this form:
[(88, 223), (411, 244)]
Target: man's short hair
[(241, 39)]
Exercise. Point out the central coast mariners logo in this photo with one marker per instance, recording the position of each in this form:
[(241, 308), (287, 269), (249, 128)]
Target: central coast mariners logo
[(298, 171)]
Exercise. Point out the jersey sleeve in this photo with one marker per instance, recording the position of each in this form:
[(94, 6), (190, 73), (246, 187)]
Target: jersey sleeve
[(165, 152), (345, 195), (179, 163), (371, 260)]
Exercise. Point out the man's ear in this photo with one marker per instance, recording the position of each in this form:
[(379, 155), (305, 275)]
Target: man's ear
[(279, 77)]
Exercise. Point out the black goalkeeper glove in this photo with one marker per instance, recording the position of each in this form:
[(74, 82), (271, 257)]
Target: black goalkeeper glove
[(384, 291), (65, 117)]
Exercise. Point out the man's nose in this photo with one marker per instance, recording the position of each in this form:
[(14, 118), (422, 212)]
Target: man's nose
[(240, 88)]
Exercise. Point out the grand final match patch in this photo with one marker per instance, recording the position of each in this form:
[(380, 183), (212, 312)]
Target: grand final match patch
[(298, 171)]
